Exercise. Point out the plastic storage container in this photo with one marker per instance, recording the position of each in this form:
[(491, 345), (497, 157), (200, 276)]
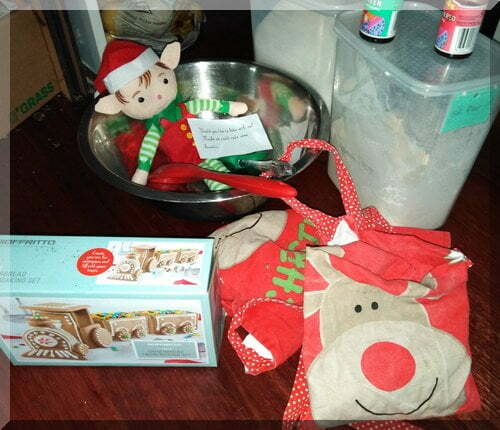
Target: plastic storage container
[(297, 37), (408, 122)]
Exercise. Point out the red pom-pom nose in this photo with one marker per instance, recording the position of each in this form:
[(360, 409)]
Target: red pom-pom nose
[(388, 366)]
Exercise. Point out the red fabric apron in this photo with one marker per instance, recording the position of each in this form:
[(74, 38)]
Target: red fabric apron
[(415, 269)]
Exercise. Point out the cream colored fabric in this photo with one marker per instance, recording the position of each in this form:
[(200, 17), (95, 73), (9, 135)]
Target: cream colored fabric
[(237, 241)]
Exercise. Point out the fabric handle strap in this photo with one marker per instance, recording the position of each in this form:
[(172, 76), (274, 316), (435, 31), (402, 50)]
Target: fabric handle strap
[(362, 219), (347, 190), (253, 362)]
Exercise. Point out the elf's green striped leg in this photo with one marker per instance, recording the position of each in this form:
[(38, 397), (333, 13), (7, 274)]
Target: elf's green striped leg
[(212, 105), (217, 166), (146, 154)]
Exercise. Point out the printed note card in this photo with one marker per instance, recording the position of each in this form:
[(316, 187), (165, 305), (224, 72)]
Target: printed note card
[(233, 136)]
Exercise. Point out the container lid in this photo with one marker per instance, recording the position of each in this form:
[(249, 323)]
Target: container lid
[(325, 7), (328, 4), (410, 58)]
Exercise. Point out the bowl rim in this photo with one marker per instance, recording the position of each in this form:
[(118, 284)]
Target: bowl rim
[(210, 196)]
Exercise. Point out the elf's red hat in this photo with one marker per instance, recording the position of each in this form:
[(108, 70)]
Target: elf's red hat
[(122, 62)]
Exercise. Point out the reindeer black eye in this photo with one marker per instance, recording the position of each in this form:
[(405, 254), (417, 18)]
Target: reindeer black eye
[(165, 81), (358, 308), (374, 306), (140, 99)]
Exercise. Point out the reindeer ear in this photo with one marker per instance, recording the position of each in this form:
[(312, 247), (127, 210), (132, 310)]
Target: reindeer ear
[(420, 289), (312, 302), (171, 55), (108, 105)]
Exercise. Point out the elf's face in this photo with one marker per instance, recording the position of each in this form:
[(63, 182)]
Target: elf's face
[(149, 94)]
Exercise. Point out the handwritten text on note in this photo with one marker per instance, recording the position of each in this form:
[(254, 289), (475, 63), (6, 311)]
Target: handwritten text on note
[(234, 136)]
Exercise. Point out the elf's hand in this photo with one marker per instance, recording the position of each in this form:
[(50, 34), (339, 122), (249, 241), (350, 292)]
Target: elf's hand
[(237, 108), (140, 177)]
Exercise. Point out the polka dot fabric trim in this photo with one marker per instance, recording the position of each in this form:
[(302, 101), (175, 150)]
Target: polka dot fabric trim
[(298, 409), (363, 219), (253, 362)]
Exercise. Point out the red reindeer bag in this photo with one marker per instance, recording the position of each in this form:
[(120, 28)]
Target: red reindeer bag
[(386, 318), (385, 332)]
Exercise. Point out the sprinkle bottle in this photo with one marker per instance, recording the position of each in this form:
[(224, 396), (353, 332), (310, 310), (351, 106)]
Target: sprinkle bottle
[(459, 27), (379, 20)]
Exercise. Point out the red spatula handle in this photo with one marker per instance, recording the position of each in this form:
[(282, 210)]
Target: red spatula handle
[(254, 184)]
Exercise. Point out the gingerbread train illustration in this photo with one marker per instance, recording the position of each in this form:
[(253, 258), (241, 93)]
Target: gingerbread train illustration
[(123, 326), (68, 332), (63, 331), (144, 259)]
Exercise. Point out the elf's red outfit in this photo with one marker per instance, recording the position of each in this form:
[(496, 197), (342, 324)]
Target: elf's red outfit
[(176, 145), (184, 149)]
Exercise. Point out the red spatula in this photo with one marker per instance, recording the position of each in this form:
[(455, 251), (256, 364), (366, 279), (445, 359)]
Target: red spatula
[(182, 173)]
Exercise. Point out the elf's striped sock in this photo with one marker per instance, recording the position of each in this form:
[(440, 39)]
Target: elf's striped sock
[(148, 148), (217, 166)]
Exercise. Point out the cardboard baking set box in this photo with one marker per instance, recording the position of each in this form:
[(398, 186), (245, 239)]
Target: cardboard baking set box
[(108, 301)]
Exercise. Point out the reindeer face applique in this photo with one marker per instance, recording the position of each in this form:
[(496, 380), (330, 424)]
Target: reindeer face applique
[(378, 356)]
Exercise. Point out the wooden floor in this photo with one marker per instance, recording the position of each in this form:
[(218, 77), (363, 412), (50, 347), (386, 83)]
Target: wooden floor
[(52, 191)]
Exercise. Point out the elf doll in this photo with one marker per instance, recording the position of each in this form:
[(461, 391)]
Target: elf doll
[(143, 86)]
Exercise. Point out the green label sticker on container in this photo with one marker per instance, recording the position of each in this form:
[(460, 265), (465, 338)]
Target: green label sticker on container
[(470, 108)]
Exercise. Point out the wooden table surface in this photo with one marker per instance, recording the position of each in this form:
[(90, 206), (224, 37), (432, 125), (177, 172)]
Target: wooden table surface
[(54, 192)]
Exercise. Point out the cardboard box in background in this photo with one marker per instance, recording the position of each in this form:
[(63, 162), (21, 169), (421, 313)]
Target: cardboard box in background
[(4, 71), (35, 73), (108, 301)]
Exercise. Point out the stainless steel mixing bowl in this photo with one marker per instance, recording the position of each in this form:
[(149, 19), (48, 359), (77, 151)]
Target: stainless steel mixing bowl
[(229, 80)]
